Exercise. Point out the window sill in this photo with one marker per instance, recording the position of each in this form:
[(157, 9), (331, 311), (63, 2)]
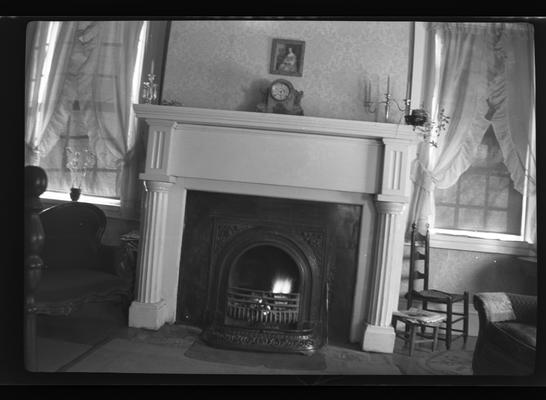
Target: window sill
[(110, 207), (497, 246)]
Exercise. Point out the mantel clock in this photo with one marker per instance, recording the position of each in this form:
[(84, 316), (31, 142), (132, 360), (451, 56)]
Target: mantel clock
[(282, 98)]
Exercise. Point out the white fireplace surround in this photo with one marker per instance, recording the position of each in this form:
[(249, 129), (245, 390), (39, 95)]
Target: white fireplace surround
[(285, 156)]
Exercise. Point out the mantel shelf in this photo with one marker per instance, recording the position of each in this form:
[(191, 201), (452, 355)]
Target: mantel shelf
[(277, 122)]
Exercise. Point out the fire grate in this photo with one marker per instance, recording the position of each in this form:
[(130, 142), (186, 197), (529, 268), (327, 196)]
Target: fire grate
[(262, 306)]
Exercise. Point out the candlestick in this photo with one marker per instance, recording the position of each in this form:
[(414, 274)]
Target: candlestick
[(150, 89), (371, 106)]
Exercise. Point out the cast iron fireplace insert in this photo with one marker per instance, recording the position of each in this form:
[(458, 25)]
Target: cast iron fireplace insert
[(268, 286), (258, 273)]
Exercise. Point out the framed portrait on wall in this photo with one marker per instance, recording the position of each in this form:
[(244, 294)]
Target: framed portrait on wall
[(287, 57)]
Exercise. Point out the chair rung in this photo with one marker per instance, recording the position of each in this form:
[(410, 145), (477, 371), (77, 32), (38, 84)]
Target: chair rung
[(444, 312), (420, 256), (454, 321), (419, 275), (436, 311), (453, 337), (443, 328), (403, 335)]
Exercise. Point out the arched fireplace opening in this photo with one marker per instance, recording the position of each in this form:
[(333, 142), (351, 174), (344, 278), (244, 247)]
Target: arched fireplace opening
[(264, 289), (267, 287)]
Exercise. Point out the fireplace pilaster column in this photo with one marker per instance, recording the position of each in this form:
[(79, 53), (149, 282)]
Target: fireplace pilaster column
[(379, 335), (149, 309)]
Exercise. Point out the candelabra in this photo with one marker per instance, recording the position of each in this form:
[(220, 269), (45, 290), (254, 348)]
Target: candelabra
[(149, 92), (371, 106)]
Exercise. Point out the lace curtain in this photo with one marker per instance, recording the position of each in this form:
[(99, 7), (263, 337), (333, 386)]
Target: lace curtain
[(94, 69), (481, 74), (49, 45), (106, 98)]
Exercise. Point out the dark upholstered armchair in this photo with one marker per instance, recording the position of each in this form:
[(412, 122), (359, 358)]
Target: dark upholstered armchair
[(506, 342), (79, 268), (66, 264)]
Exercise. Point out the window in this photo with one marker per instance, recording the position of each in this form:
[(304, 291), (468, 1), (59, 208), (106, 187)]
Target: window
[(484, 198), (483, 74), (95, 106)]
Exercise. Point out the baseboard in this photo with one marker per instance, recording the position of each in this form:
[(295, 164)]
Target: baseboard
[(473, 320)]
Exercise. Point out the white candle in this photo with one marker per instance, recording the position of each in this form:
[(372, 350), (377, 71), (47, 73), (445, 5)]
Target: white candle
[(388, 83), (152, 71)]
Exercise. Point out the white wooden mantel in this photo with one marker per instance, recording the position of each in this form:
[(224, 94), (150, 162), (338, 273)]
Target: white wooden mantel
[(297, 157)]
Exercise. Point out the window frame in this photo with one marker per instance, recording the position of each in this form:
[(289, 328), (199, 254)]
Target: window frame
[(112, 210), (444, 240)]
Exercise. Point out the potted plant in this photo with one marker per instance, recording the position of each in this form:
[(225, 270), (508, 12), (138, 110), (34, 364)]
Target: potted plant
[(429, 130)]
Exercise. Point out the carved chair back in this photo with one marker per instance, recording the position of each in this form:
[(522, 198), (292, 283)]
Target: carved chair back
[(73, 233)]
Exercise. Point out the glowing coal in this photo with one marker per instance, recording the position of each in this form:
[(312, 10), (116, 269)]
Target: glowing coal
[(282, 285)]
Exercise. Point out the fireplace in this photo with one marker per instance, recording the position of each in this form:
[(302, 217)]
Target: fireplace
[(300, 158), (255, 269)]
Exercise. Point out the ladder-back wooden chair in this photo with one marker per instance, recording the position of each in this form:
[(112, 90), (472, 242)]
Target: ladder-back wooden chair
[(419, 270)]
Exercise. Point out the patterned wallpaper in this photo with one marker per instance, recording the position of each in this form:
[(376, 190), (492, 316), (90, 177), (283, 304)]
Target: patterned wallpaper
[(455, 271), (223, 64)]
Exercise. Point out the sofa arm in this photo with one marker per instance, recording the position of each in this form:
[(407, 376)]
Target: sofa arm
[(502, 306)]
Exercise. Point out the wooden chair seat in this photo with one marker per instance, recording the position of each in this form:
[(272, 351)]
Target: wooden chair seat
[(438, 296)]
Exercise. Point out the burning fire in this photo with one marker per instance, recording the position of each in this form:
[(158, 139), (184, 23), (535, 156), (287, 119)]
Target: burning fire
[(282, 285)]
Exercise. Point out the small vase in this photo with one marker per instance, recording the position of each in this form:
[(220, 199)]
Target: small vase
[(75, 193)]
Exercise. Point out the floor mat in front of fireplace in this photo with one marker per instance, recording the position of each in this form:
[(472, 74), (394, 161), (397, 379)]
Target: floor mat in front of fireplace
[(201, 351)]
